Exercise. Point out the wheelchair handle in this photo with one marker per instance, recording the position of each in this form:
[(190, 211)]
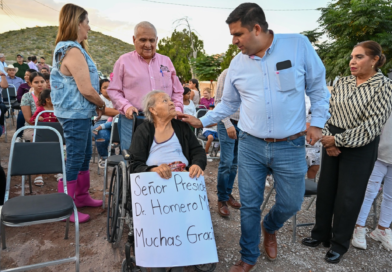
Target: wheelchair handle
[(126, 155)]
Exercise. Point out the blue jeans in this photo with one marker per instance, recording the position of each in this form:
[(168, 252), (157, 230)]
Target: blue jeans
[(257, 158), (228, 162), (77, 134), (102, 147), (125, 127), (20, 121)]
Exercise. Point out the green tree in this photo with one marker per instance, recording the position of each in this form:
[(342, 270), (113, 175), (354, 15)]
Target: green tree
[(231, 52), (178, 49), (346, 23), (207, 68)]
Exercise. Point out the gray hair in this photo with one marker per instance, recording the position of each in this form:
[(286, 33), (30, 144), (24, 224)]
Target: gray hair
[(2, 55), (149, 102), (144, 24)]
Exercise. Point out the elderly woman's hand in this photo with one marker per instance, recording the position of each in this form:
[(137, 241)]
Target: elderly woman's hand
[(328, 141), (163, 171), (195, 171)]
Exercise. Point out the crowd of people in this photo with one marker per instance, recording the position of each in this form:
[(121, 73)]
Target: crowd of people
[(271, 114)]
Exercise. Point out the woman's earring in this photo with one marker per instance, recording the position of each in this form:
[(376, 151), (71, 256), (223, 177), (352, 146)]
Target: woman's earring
[(372, 66)]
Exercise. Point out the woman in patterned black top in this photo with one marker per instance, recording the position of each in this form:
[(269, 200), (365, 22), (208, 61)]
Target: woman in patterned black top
[(360, 105)]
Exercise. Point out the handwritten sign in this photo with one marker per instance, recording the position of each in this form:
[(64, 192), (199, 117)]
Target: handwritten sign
[(172, 221)]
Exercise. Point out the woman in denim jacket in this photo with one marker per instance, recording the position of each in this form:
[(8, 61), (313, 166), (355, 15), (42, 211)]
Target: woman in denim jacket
[(75, 82)]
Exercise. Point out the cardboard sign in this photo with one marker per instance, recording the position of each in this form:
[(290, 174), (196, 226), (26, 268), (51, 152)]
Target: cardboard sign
[(172, 221)]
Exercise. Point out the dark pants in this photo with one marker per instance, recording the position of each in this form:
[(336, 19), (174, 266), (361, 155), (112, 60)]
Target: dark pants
[(340, 193), (20, 121), (3, 109)]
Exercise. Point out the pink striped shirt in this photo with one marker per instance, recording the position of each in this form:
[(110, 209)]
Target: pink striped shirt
[(133, 78)]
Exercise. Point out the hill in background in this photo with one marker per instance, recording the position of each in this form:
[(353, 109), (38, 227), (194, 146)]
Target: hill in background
[(39, 41)]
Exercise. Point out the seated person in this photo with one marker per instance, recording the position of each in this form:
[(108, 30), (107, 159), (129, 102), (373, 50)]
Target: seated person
[(103, 127), (47, 80), (211, 134), (29, 105), (164, 145), (313, 154), (189, 106), (44, 104), (207, 100), (158, 142)]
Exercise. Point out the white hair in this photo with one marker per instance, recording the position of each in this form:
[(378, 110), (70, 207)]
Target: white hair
[(149, 102), (144, 24)]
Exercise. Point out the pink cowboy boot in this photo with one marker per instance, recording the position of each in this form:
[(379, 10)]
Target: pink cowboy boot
[(82, 196), (71, 186)]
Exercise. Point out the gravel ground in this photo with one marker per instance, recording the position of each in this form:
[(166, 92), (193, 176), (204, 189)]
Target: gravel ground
[(46, 242)]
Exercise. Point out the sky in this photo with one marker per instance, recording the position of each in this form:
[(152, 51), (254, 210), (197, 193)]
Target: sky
[(117, 18)]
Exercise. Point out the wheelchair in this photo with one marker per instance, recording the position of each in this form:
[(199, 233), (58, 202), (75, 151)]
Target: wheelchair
[(119, 211)]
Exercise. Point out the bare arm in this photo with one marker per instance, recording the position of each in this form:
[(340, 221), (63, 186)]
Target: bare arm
[(26, 110), (111, 112), (74, 64), (4, 82), (192, 95)]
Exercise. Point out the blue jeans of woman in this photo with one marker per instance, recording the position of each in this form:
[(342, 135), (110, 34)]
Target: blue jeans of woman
[(102, 146), (77, 134)]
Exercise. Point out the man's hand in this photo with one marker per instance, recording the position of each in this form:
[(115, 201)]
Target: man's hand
[(195, 171), (333, 151), (313, 135), (130, 111), (163, 171), (178, 113), (2, 74), (328, 141), (99, 113), (192, 120), (232, 133)]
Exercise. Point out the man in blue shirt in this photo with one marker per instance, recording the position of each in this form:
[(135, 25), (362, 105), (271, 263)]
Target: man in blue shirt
[(267, 81)]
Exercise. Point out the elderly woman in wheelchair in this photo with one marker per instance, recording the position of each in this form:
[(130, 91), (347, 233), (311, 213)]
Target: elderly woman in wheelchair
[(164, 144)]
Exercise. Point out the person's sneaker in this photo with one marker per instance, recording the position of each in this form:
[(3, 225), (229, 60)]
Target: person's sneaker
[(359, 238), (383, 236), (101, 163), (18, 140)]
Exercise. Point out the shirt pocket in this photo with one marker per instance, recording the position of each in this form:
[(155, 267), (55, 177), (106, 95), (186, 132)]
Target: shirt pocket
[(285, 79), (166, 81)]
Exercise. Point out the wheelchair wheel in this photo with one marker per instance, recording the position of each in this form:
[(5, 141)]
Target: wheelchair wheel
[(116, 211), (133, 267), (205, 267)]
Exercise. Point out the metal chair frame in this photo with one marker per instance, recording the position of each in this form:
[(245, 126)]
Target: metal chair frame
[(105, 173), (10, 102), (3, 223)]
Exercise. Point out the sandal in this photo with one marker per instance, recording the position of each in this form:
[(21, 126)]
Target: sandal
[(38, 181)]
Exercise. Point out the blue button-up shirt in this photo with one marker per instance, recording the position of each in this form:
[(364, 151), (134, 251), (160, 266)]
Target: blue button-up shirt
[(272, 103), (16, 81)]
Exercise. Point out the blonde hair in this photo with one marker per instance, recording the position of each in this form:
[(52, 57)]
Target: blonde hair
[(208, 90), (70, 17)]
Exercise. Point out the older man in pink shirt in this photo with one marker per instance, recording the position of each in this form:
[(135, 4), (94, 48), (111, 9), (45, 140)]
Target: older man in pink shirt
[(139, 72)]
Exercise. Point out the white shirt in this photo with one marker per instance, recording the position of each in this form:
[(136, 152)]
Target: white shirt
[(190, 109), (213, 128), (166, 152), (385, 147)]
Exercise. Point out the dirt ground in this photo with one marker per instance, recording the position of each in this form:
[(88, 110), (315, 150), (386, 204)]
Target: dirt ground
[(46, 242)]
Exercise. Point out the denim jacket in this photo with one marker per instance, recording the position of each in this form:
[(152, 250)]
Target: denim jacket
[(67, 100)]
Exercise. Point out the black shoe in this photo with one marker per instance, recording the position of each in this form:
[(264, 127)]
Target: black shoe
[(310, 242), (333, 257)]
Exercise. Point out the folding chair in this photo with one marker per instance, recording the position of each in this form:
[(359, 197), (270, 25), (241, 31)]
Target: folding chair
[(111, 160), (45, 135), (24, 210), (198, 131), (9, 98)]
